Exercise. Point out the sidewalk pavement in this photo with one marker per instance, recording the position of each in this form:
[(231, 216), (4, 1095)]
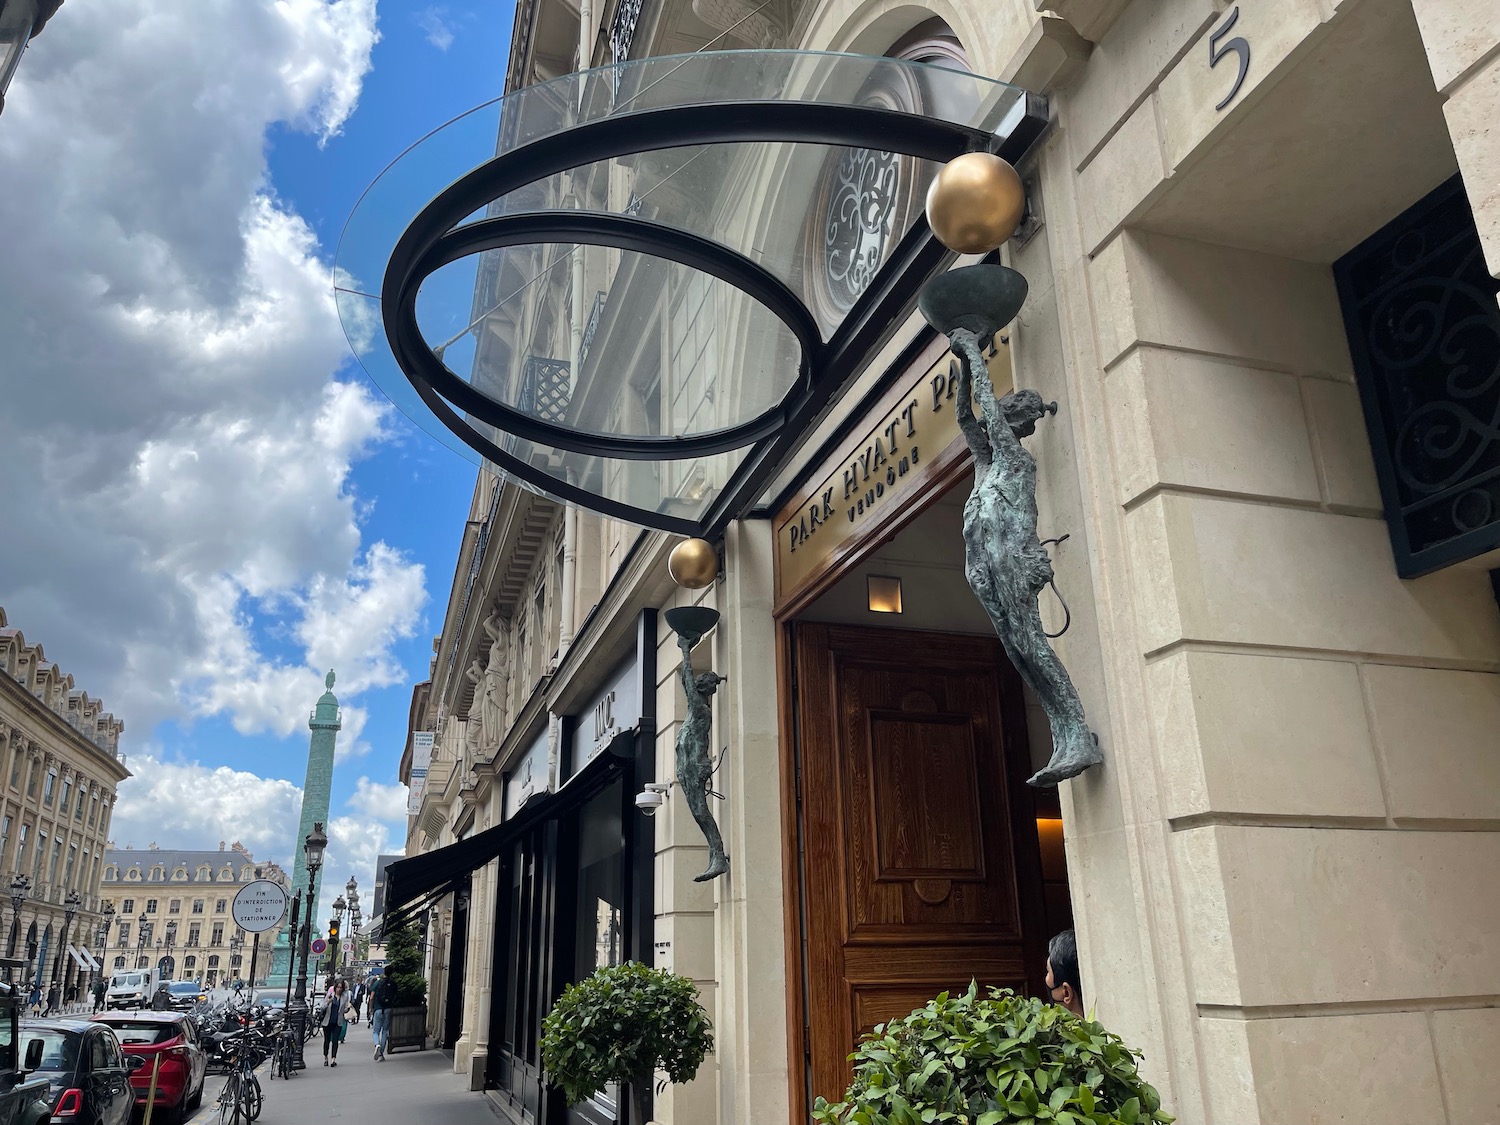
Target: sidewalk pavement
[(409, 1086)]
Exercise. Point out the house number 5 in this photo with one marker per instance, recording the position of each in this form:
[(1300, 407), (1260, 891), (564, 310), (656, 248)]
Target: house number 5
[(1238, 45)]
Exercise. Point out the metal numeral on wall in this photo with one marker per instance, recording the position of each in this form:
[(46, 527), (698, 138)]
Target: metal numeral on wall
[(1239, 45)]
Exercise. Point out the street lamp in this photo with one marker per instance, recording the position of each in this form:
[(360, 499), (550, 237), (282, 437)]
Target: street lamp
[(20, 887), (312, 851), (19, 21), (169, 960), (142, 936), (59, 970), (106, 919)]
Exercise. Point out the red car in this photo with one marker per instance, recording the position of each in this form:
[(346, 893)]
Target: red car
[(172, 1037)]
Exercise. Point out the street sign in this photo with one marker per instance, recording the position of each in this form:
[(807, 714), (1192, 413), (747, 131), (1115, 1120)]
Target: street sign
[(259, 906), (348, 947), (319, 946)]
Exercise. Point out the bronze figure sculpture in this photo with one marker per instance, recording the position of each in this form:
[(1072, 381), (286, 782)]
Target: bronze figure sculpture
[(1004, 561), (695, 765)]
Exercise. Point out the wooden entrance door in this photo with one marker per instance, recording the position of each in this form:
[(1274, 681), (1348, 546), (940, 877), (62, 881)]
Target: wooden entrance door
[(920, 869)]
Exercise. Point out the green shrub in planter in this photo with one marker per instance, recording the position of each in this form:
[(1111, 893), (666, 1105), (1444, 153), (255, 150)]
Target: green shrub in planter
[(622, 1023), (997, 1060)]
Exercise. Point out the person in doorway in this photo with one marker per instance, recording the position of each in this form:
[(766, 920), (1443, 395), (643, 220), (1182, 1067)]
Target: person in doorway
[(336, 1013), (382, 996), (1063, 984)]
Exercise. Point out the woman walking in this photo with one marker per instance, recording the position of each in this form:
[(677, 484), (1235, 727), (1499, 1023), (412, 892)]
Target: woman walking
[(336, 1012)]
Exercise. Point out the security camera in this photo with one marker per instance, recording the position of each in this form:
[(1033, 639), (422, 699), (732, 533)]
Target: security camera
[(651, 798)]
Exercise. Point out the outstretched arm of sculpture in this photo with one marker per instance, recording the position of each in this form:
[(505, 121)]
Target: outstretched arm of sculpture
[(974, 435)]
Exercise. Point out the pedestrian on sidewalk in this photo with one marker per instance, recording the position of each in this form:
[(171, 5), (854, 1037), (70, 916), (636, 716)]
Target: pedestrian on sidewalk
[(51, 999), (35, 1001), (356, 997), (382, 995), (99, 995), (335, 1019)]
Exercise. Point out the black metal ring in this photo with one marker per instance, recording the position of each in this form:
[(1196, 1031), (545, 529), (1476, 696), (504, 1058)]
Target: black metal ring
[(624, 135), (621, 232)]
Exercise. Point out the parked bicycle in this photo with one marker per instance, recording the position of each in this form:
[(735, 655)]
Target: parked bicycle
[(241, 1098)]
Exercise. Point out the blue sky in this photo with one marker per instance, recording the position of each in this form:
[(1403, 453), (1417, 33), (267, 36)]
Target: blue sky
[(432, 63), (216, 504)]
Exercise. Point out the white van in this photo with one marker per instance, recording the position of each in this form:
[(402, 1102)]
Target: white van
[(131, 988)]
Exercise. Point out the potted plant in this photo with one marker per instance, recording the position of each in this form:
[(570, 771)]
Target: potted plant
[(408, 1018), (623, 1023), (997, 1060)]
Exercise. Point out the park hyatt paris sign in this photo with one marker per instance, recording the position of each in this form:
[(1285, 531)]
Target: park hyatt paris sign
[(880, 466)]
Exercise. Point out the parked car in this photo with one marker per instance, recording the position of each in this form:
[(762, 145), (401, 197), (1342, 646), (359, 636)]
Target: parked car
[(185, 994), (86, 1068), (173, 1038)]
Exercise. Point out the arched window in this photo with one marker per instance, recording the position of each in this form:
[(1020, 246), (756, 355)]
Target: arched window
[(189, 963), (213, 961), (111, 873), (120, 961)]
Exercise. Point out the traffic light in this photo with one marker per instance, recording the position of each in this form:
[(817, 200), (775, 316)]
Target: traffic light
[(333, 931)]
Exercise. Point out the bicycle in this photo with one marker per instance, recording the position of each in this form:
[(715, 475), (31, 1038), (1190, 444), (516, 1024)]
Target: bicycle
[(284, 1054), (241, 1098)]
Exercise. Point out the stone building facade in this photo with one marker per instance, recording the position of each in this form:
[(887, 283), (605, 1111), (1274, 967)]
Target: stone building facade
[(59, 768), (1270, 490), (172, 910)]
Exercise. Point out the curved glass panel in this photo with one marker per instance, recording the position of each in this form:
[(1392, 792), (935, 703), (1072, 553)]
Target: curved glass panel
[(643, 347), (647, 353)]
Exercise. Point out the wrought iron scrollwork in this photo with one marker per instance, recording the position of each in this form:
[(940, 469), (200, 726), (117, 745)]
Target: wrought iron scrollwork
[(1425, 334), (861, 216)]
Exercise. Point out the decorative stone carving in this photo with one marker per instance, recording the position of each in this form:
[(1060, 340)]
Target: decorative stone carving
[(491, 700)]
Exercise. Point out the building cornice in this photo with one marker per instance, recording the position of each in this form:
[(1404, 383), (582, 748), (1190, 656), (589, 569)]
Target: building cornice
[(47, 719)]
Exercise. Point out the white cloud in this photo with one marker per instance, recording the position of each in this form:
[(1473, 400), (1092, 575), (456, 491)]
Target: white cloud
[(434, 22), (382, 802), (181, 444), (186, 804), (177, 804)]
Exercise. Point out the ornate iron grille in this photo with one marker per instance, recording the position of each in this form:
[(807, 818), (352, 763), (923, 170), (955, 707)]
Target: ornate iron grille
[(546, 389), (590, 328), (1424, 331), (622, 32)]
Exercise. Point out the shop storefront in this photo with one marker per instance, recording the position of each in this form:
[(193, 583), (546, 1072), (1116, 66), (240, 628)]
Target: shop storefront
[(1261, 248)]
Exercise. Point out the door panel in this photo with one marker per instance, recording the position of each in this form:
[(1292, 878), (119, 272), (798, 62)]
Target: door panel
[(920, 866)]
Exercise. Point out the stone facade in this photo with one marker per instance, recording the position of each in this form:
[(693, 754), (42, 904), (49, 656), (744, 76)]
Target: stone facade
[(1281, 874), (59, 768), (185, 897)]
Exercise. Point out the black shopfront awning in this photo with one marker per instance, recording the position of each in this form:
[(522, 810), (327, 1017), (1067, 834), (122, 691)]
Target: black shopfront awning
[(638, 288), (417, 883)]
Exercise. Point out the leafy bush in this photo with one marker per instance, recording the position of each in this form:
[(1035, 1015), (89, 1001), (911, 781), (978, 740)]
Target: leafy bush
[(622, 1023), (997, 1060), (403, 964)]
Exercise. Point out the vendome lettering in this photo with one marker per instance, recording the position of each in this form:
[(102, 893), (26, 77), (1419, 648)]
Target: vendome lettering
[(867, 477)]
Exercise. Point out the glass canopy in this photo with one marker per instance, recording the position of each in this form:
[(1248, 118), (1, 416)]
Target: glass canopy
[(634, 288)]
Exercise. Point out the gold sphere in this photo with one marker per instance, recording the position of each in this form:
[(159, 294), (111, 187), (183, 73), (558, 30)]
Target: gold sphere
[(693, 564), (975, 203)]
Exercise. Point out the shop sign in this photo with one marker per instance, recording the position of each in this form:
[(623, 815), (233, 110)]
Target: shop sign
[(616, 708), (527, 776), (421, 761), (875, 471)]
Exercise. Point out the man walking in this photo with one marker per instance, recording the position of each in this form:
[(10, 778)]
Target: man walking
[(382, 996), (99, 995)]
